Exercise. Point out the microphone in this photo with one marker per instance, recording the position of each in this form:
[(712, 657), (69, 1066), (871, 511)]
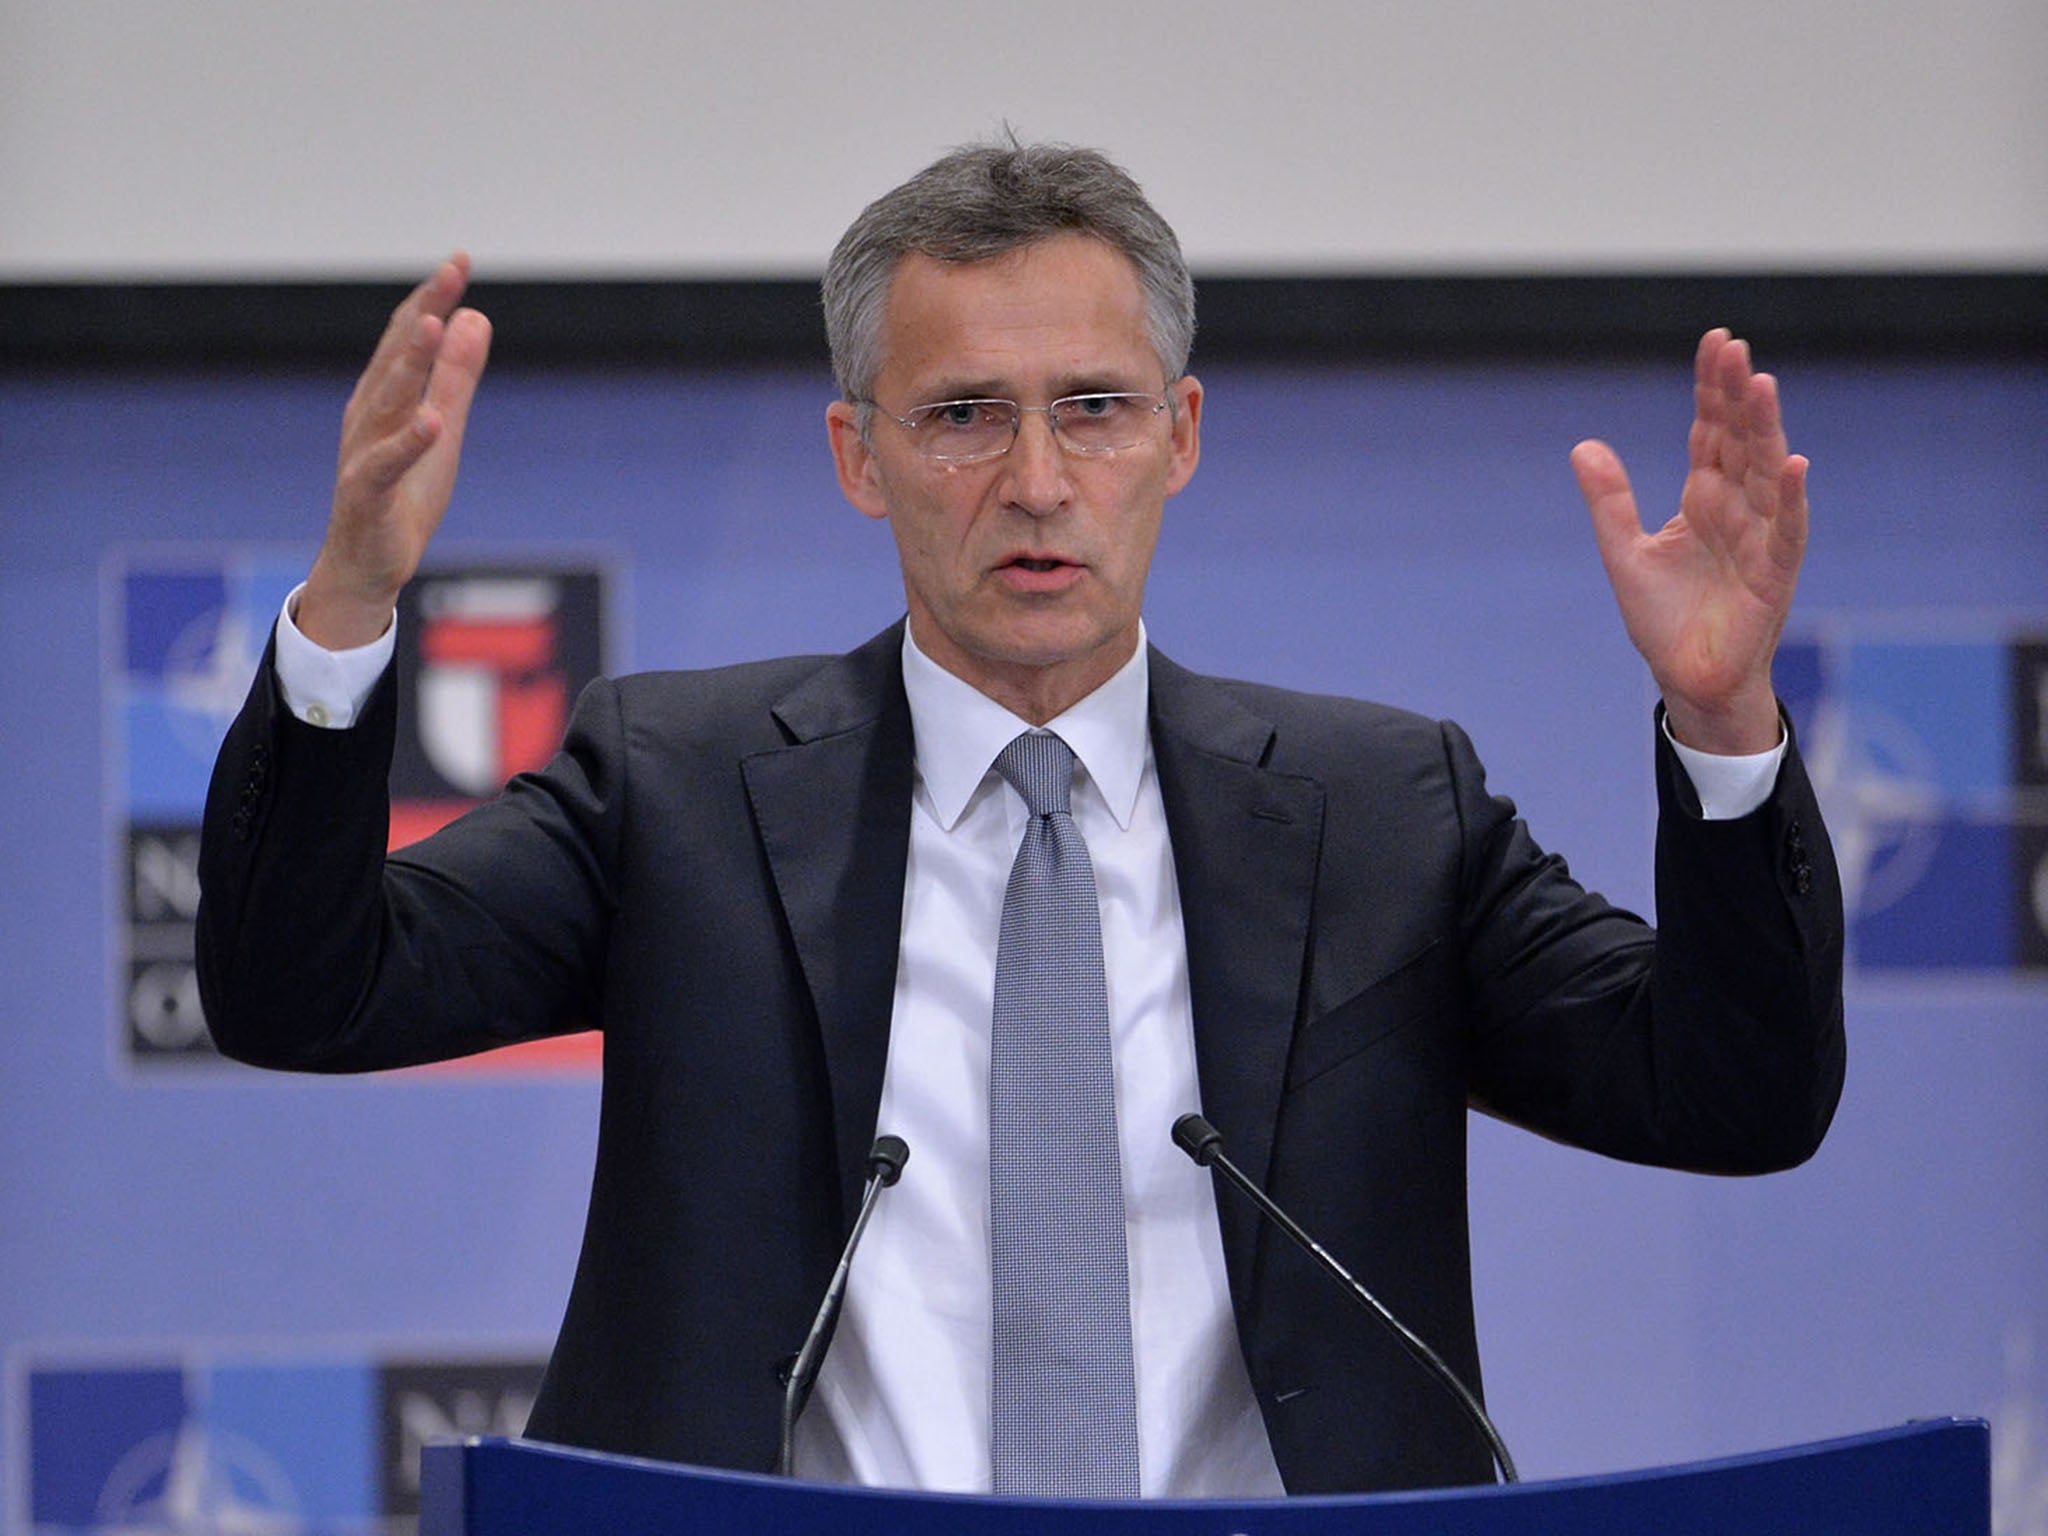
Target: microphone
[(885, 1166), (1204, 1143)]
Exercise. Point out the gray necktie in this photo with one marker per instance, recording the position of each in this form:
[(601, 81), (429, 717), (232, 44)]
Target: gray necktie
[(1064, 1394)]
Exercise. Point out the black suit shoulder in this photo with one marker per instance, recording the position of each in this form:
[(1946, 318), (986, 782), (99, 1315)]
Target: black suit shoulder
[(1288, 730)]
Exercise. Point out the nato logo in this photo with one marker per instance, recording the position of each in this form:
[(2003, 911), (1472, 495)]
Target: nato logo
[(490, 658), (1931, 760), (285, 1448), (192, 628)]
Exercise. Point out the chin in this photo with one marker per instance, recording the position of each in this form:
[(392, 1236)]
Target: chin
[(1052, 647)]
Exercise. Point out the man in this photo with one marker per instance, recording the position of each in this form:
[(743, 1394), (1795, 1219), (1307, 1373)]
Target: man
[(780, 890)]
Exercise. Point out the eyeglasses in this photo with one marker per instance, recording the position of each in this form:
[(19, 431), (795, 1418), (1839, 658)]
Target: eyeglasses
[(965, 431)]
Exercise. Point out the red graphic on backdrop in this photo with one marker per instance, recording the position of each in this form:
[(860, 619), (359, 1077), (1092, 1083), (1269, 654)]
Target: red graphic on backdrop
[(496, 657)]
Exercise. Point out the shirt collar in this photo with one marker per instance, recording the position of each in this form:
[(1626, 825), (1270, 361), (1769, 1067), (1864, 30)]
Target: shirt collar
[(959, 730)]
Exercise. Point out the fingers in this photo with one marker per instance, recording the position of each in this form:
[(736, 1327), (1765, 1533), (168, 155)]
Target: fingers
[(1738, 428), (392, 383), (1763, 423), (1729, 392), (418, 385), (1721, 371), (436, 296), (1604, 483), (370, 472), (1788, 528), (402, 432), (465, 346)]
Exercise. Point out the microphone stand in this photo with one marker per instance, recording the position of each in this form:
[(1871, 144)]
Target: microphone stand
[(1204, 1143), (885, 1167)]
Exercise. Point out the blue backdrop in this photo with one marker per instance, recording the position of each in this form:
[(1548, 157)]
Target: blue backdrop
[(1406, 532)]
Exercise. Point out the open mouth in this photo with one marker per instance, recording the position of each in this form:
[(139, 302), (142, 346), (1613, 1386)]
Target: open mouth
[(1038, 575)]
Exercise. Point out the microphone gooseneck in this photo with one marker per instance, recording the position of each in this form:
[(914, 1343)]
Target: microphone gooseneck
[(1204, 1144), (884, 1166)]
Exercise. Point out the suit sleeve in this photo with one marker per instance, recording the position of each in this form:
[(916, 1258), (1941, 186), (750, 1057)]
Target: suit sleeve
[(317, 952), (1713, 1043)]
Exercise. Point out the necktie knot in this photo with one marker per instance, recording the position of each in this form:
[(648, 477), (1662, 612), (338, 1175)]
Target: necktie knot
[(1040, 767)]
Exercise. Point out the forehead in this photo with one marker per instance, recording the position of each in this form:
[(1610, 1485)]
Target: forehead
[(1066, 311)]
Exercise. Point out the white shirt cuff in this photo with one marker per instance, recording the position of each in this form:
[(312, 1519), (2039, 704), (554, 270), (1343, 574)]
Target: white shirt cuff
[(1729, 786), (328, 688)]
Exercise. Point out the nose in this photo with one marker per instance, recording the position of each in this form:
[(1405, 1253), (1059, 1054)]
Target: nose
[(1035, 468)]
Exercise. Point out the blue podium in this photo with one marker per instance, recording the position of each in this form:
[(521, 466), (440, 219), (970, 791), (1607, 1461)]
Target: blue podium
[(1925, 1479)]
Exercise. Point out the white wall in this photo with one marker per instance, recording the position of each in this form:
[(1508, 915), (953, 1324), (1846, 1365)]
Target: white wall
[(249, 138)]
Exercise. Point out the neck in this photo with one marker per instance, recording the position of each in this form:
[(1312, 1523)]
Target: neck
[(1034, 693)]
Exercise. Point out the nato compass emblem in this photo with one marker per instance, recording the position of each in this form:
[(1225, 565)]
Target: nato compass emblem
[(190, 1480), (1931, 761)]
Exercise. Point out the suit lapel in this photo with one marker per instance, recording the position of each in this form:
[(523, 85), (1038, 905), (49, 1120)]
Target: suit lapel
[(833, 810), (1245, 846)]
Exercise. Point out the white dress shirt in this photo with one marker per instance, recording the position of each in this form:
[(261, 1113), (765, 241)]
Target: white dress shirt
[(903, 1399)]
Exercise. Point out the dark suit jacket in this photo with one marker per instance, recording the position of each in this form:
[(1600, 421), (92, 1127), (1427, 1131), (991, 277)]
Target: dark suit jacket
[(712, 872)]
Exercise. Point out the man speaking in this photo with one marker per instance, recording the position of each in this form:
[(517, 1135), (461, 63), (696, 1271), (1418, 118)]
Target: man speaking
[(1006, 882)]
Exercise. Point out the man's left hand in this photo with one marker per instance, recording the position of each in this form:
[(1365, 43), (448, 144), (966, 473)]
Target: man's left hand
[(1705, 596)]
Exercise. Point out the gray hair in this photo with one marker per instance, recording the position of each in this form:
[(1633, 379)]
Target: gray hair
[(985, 200)]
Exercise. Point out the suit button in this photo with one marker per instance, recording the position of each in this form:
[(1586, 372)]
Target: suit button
[(1802, 880)]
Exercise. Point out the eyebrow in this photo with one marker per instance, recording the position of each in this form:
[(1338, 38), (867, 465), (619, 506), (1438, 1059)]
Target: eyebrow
[(1093, 382), (956, 389)]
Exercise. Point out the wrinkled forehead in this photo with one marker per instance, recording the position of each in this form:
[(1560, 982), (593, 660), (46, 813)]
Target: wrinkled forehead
[(1070, 308)]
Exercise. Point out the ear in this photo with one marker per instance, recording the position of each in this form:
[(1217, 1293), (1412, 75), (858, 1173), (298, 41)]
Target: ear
[(1184, 450), (859, 475)]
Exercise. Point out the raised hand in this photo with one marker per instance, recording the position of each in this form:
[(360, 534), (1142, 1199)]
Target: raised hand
[(1705, 596), (401, 440)]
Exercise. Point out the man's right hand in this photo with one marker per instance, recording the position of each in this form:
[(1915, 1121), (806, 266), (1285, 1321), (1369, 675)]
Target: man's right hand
[(401, 440)]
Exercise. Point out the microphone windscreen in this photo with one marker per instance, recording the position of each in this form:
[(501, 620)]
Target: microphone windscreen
[(1198, 1138), (886, 1159)]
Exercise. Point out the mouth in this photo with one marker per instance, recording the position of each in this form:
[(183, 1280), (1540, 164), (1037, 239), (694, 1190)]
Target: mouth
[(1038, 574)]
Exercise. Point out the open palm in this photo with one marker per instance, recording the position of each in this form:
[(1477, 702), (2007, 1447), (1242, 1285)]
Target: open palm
[(1705, 597)]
